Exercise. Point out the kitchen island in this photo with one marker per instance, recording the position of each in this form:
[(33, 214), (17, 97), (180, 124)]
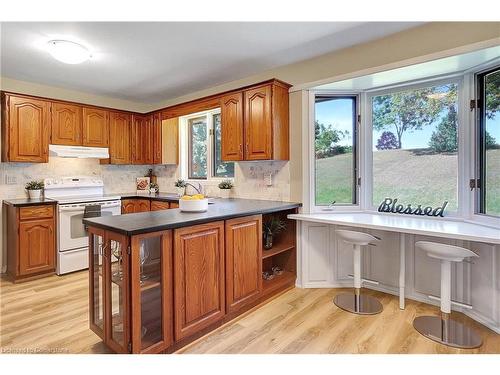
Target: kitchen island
[(159, 280)]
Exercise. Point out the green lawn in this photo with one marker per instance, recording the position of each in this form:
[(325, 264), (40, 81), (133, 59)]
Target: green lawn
[(427, 179)]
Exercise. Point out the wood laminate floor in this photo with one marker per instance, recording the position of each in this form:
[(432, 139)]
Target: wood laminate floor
[(50, 315)]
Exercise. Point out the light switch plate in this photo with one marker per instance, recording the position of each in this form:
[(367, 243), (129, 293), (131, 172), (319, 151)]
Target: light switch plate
[(268, 178), (10, 179)]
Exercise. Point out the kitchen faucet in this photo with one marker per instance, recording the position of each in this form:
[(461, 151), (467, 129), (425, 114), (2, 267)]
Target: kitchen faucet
[(198, 189)]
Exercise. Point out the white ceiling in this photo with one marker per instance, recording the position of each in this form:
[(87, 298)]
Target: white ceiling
[(152, 62), (435, 68)]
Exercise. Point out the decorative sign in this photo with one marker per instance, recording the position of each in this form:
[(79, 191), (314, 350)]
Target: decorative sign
[(389, 205), (142, 184)]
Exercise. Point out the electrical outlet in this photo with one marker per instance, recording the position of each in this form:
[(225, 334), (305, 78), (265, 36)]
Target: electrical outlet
[(10, 179), (268, 178)]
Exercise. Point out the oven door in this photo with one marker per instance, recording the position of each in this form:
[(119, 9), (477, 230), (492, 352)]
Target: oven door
[(72, 232)]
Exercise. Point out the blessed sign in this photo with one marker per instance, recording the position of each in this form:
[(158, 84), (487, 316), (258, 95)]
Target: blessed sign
[(390, 205)]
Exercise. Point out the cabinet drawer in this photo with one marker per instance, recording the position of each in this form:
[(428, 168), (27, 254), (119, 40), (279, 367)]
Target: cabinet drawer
[(159, 205), (36, 212)]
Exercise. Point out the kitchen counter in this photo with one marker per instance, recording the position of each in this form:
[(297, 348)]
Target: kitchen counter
[(20, 202), (222, 209)]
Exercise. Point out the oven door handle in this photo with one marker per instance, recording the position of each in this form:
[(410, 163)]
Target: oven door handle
[(71, 209)]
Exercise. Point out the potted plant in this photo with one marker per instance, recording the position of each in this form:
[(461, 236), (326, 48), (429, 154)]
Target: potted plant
[(225, 187), (271, 228), (180, 185), (34, 189), (153, 188)]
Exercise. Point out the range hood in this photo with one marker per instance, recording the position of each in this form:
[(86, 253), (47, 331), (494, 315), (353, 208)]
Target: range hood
[(79, 152)]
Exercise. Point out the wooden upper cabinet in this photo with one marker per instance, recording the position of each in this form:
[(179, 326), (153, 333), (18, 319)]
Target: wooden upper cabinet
[(243, 261), (25, 129), (66, 124), (232, 127), (147, 140), (142, 140), (198, 278), (157, 138), (36, 246), (95, 127), (119, 137), (266, 122)]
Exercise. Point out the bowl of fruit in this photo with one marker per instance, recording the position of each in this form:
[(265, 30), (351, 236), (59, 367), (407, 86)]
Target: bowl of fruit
[(193, 203)]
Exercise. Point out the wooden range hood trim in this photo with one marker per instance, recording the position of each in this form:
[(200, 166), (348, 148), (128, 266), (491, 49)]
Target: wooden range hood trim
[(196, 105)]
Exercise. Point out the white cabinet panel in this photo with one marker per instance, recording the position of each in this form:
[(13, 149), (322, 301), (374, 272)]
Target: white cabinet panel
[(318, 257), (383, 265), (483, 288)]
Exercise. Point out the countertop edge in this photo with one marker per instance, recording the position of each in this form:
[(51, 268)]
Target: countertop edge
[(160, 228)]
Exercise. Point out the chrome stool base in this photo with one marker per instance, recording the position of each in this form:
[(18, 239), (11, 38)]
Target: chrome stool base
[(358, 303), (447, 331)]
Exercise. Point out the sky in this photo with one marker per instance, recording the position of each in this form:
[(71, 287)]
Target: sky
[(338, 113)]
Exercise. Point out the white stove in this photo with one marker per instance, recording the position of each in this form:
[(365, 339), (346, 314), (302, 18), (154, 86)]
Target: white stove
[(73, 194)]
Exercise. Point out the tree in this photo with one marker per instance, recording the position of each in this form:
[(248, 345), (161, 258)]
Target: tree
[(407, 110), (444, 138), (326, 139), (387, 141)]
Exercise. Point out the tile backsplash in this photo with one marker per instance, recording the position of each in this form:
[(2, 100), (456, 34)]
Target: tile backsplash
[(248, 180)]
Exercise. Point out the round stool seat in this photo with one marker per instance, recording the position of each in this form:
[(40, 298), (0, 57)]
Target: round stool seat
[(443, 251), (356, 238)]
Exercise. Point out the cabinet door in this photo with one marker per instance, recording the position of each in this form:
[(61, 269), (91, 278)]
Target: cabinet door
[(66, 124), (128, 206), (116, 292), (96, 281), (258, 124), (138, 140), (170, 141), (157, 138), (95, 127), (147, 140), (152, 306), (174, 205), (199, 298), (142, 205), (36, 246), (29, 130), (232, 127), (243, 261), (119, 138), (159, 205)]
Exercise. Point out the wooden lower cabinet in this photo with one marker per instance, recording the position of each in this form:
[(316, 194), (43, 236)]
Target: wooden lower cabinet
[(199, 286), (159, 205), (156, 292), (31, 241), (243, 261), (130, 206)]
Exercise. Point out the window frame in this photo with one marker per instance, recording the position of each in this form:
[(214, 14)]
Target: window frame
[(185, 145), (356, 151), (461, 134), (190, 147), (479, 207)]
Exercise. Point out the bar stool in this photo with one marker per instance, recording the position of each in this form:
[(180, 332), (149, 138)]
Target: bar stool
[(442, 328), (356, 302)]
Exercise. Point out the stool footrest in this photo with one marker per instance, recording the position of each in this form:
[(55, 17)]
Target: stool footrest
[(456, 303), (365, 280)]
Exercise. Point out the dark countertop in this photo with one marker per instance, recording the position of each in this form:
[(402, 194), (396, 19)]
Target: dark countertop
[(19, 202), (222, 209)]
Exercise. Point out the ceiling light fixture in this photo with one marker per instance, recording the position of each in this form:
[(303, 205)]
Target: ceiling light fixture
[(68, 52)]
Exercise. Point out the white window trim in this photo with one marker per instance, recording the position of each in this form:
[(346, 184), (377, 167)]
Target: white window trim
[(184, 148), (312, 160)]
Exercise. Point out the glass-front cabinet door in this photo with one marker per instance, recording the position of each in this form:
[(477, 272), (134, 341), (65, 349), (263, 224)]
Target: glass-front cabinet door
[(117, 285), (96, 280), (151, 284)]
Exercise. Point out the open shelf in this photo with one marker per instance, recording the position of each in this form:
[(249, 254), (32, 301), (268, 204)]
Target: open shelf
[(277, 249), (287, 277)]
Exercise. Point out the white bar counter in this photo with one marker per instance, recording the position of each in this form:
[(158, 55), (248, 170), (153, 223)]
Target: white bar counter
[(436, 227), (324, 262)]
